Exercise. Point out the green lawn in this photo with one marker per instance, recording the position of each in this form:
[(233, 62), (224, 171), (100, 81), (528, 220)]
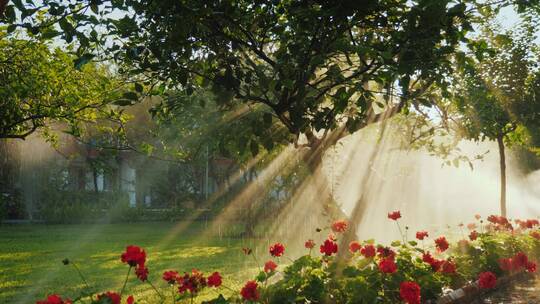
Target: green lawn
[(31, 255)]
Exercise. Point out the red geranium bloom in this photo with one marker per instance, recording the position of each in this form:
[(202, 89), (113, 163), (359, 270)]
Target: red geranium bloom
[(386, 252), (428, 258), (394, 215), (441, 243), (133, 256), (501, 220), (170, 276), (277, 249), (339, 226), (368, 251), (422, 235), (214, 280), (520, 260), (493, 219), (387, 266), (410, 292), (506, 264), (473, 235), (354, 246), (249, 292), (329, 247), (531, 223), (433, 262), (113, 297), (448, 267), (535, 234), (130, 300), (191, 282), (487, 280), (270, 266), (54, 299), (141, 272), (530, 267), (309, 244)]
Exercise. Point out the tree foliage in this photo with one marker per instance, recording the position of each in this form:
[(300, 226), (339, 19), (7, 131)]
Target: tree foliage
[(42, 87)]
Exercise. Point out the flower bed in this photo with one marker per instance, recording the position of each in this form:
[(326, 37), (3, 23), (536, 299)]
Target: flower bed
[(403, 272)]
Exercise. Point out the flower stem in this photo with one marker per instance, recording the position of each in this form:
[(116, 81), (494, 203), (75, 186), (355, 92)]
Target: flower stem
[(401, 232), (256, 262), (81, 275), (125, 281), (155, 289)]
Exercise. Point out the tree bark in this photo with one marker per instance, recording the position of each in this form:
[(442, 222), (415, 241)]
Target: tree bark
[(502, 164), (314, 161), (3, 4)]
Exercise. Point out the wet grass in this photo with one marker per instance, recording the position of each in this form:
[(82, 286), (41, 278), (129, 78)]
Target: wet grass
[(31, 255)]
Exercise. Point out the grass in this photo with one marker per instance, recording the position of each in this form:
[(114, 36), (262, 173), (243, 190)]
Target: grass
[(31, 255)]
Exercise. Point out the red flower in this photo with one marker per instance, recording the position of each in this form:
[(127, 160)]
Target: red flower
[(329, 247), (434, 263), (54, 299), (441, 243), (530, 267), (422, 235), (410, 292), (249, 292), (339, 226), (277, 249), (368, 251), (191, 282), (487, 280), (506, 264), (354, 246), (531, 223), (214, 280), (133, 256), (142, 273), (170, 276), (448, 267), (386, 252), (387, 265), (130, 300), (270, 266), (113, 297), (428, 258), (471, 226), (493, 219), (535, 234), (520, 260), (501, 220), (309, 244), (394, 215), (473, 235)]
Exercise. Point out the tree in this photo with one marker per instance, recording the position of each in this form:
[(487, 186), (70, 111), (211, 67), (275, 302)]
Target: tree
[(41, 87), (496, 98)]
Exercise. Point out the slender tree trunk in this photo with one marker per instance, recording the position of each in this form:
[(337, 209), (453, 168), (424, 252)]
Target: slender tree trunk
[(502, 163)]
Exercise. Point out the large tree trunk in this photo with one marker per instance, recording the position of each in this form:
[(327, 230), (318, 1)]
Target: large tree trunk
[(3, 4), (502, 163), (314, 162)]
